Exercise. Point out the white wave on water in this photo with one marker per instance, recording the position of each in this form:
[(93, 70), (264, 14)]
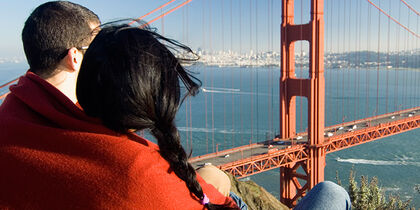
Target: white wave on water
[(222, 89), (379, 162), (215, 130), (231, 91), (391, 189), (206, 130), (404, 158)]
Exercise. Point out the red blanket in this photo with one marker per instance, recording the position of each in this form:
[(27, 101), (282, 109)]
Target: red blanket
[(53, 156)]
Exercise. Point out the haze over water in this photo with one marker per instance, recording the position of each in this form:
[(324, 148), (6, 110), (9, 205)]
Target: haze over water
[(394, 160)]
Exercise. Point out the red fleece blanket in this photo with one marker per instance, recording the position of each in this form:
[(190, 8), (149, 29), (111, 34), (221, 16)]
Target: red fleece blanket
[(53, 156)]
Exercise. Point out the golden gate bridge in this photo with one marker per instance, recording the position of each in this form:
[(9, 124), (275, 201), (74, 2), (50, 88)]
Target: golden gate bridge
[(300, 155)]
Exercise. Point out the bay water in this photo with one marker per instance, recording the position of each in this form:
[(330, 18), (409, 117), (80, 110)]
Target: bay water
[(238, 106), (241, 105)]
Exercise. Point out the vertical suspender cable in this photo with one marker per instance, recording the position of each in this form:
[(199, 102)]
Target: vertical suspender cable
[(189, 98), (240, 73), (358, 58), (231, 76), (272, 71), (224, 76), (417, 63), (258, 67), (343, 72), (186, 105), (411, 87), (397, 62), (369, 25), (337, 73), (205, 84), (378, 62), (353, 61), (387, 60), (350, 61), (270, 84), (252, 77), (270, 68), (405, 72), (406, 99), (328, 71), (356, 72), (212, 83)]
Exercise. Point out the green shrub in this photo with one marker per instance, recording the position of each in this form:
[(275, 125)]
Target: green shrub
[(369, 196)]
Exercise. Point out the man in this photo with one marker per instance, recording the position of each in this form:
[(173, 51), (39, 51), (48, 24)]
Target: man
[(55, 36)]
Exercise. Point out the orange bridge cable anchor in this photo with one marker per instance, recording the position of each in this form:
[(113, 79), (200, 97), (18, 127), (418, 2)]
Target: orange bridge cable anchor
[(393, 19)]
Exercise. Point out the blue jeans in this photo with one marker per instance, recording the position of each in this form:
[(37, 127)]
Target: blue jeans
[(325, 195), (241, 204)]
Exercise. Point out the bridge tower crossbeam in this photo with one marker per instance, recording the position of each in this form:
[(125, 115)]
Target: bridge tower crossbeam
[(313, 89)]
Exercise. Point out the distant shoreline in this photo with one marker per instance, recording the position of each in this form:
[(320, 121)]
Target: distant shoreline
[(298, 67)]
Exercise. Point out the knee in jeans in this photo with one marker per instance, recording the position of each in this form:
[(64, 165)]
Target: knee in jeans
[(329, 186)]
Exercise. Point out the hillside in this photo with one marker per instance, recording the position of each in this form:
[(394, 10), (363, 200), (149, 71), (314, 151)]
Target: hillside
[(255, 196)]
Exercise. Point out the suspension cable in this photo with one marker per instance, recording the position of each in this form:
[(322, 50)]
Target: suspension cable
[(410, 7), (151, 12), (393, 19)]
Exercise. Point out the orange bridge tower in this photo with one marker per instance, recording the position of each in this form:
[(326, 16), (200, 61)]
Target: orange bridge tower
[(313, 88)]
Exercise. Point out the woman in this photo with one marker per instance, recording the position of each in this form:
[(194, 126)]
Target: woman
[(129, 79)]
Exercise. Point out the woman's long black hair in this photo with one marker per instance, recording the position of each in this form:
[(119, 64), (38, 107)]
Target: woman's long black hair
[(130, 80)]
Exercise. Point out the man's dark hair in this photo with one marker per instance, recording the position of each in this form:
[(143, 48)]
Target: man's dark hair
[(51, 30)]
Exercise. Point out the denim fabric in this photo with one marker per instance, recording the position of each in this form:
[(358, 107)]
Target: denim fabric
[(242, 205), (325, 195)]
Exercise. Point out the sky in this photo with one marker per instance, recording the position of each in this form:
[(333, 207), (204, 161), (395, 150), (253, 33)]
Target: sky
[(242, 25)]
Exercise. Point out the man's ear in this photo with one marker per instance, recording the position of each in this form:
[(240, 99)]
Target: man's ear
[(74, 59)]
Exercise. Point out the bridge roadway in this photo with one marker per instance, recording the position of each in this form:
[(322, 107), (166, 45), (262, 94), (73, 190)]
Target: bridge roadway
[(266, 155)]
